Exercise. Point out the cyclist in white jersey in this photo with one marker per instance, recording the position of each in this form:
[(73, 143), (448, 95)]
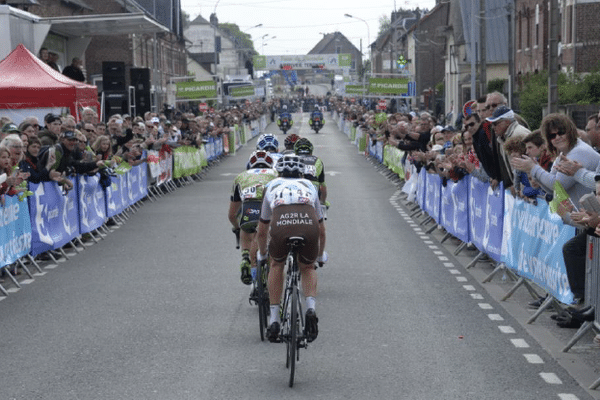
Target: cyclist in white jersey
[(291, 208)]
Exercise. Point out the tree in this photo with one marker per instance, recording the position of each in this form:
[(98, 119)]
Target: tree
[(185, 19), (242, 40), (384, 25)]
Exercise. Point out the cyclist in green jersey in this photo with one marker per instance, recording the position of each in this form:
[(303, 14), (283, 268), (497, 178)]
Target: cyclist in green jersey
[(245, 204)]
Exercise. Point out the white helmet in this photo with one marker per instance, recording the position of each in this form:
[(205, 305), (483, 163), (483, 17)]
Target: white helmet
[(260, 159)]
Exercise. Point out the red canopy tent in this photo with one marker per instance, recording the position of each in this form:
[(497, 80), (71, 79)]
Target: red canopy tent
[(26, 82)]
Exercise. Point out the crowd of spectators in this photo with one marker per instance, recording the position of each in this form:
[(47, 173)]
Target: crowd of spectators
[(495, 145)]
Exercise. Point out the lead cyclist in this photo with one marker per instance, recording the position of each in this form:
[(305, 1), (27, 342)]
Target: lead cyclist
[(291, 208)]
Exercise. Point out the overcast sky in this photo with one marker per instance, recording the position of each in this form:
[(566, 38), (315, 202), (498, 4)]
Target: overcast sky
[(296, 26)]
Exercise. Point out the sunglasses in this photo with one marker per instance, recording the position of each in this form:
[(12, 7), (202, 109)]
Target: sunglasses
[(470, 125), (490, 106), (553, 135), (90, 130)]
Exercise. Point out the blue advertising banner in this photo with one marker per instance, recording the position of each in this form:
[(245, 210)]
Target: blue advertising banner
[(15, 230), (421, 188), (114, 196), (477, 201), (92, 203), (460, 201), (138, 183), (534, 246), (494, 222), (436, 191), (54, 217), (447, 208)]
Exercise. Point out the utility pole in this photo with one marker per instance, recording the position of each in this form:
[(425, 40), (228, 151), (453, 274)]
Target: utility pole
[(511, 54), (553, 58), (482, 46)]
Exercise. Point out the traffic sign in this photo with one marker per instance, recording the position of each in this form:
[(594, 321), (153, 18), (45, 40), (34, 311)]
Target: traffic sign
[(203, 107), (381, 105)]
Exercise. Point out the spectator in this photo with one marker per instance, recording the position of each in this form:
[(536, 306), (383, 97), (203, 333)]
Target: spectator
[(505, 127), (9, 129), (74, 71), (15, 146), (53, 60), (102, 148), (49, 136), (536, 148), (28, 129), (515, 147), (482, 134), (29, 162)]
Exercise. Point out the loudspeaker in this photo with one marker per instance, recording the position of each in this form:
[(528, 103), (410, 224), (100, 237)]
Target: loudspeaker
[(140, 79), (113, 76), (143, 102), (115, 103)]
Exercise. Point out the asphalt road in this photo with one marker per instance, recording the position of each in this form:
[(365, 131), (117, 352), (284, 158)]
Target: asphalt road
[(156, 310)]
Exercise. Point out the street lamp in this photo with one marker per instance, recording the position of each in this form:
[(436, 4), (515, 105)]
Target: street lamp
[(368, 32), (262, 50)]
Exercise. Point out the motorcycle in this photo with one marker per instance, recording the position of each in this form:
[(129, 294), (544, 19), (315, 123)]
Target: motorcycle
[(316, 124), (285, 125)]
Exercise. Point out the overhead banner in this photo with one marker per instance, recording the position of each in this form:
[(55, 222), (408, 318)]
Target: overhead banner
[(196, 90), (308, 61), (241, 91), (397, 86), (355, 89)]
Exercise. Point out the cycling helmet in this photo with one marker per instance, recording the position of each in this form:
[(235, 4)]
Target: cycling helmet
[(260, 159), (290, 166), (290, 140), (303, 147), (267, 142), (284, 107)]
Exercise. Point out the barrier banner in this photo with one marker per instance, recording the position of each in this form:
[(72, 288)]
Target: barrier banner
[(54, 216), (477, 220), (432, 196), (494, 222), (114, 196), (137, 181), (447, 208), (533, 246), (421, 191), (15, 230), (410, 187), (166, 165), (92, 203), (460, 201), (153, 161), (186, 161)]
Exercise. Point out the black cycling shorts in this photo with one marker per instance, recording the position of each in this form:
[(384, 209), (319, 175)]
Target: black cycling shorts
[(294, 220), (249, 215)]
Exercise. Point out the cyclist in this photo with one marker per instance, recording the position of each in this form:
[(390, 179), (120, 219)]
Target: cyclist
[(314, 169), (291, 208), (244, 207), (268, 142), (289, 143)]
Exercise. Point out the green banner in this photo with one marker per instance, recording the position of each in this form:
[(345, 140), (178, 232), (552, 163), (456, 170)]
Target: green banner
[(388, 86), (241, 91), (392, 158), (122, 168), (260, 62), (356, 89), (196, 90), (345, 60), (187, 161)]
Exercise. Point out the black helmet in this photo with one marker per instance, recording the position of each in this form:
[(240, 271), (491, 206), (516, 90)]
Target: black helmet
[(290, 166), (303, 147)]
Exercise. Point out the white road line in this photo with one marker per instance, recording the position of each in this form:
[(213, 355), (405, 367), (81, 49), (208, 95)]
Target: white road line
[(551, 378), (520, 343), (485, 306), (507, 329), (424, 237), (26, 281), (454, 271), (443, 258), (469, 287), (476, 296), (438, 252), (433, 246), (461, 279), (567, 396), (13, 290), (533, 359), (495, 317), (448, 264), (427, 242)]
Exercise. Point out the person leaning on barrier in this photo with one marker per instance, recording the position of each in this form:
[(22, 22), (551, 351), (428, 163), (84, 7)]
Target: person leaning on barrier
[(561, 135), (537, 149), (29, 162), (56, 162), (515, 147), (50, 134)]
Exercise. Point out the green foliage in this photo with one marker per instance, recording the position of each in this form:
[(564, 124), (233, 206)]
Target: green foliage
[(384, 25), (440, 89), (495, 85), (572, 89), (242, 40), (185, 19)]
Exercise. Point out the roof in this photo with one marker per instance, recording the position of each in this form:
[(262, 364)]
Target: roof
[(25, 80), (104, 24), (199, 20), (79, 3), (328, 38)]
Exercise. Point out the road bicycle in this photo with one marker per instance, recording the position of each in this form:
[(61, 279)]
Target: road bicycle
[(292, 318)]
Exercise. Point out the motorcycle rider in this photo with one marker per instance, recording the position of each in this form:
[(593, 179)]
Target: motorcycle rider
[(316, 117), (285, 122)]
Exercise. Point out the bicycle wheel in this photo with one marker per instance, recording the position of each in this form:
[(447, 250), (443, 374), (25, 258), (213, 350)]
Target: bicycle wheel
[(263, 300), (293, 342)]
